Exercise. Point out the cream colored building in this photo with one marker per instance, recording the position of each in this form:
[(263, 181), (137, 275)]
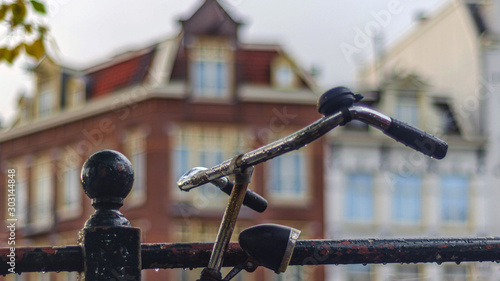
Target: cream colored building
[(435, 78)]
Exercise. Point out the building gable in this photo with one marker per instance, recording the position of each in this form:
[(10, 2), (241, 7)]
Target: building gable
[(210, 19)]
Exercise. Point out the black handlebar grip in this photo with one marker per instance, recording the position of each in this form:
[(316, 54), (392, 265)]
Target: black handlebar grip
[(252, 200), (417, 139)]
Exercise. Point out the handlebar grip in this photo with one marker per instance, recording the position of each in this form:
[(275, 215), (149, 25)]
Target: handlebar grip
[(417, 139), (252, 200)]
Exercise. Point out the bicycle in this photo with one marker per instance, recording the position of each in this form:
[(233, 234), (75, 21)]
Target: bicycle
[(269, 245)]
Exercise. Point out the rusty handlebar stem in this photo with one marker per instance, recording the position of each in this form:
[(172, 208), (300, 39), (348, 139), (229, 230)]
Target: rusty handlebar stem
[(306, 252), (287, 144)]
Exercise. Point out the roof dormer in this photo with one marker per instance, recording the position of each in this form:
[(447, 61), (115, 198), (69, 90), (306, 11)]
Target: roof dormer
[(48, 84), (211, 19)]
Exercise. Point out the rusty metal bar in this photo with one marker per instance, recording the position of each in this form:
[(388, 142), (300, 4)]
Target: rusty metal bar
[(38, 259), (187, 255), (439, 250), (307, 252)]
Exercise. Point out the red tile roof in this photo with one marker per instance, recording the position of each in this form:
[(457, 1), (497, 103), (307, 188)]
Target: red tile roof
[(112, 76), (254, 66)]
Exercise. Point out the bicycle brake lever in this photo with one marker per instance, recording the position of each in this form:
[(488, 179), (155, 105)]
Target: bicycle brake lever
[(249, 265), (252, 199)]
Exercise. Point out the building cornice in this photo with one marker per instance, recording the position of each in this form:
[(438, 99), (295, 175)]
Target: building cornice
[(139, 93)]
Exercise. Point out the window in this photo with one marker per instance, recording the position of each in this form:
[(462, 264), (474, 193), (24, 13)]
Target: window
[(358, 272), (284, 78), (21, 192), (77, 90), (41, 210), (136, 152), (454, 198), (359, 197), (407, 109), (45, 101), (204, 146), (288, 176), (406, 199), (210, 70), (71, 188), (70, 185)]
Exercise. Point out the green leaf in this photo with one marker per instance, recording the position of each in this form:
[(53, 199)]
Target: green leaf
[(42, 30), (2, 53), (18, 12), (16, 50), (35, 49), (3, 11), (28, 28), (7, 55), (39, 7)]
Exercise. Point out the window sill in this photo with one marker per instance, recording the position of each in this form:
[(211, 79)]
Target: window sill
[(213, 100), (280, 201), (39, 227), (66, 214), (135, 202)]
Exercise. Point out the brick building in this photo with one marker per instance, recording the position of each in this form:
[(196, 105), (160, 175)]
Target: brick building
[(193, 100)]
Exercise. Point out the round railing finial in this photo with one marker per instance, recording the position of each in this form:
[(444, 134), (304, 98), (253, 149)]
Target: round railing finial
[(107, 178)]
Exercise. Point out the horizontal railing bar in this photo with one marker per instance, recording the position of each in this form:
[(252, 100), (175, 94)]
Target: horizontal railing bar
[(421, 250), (41, 259), (307, 252)]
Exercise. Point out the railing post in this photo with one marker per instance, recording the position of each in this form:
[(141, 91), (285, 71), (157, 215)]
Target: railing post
[(111, 247)]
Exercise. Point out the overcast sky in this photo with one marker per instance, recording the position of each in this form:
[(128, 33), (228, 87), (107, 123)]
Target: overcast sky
[(329, 35)]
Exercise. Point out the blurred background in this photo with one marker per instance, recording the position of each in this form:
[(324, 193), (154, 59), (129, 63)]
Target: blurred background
[(176, 85)]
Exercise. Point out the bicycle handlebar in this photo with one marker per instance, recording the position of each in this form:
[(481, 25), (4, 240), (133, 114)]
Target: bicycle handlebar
[(401, 132)]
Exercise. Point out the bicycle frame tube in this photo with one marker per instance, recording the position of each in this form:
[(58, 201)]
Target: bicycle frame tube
[(287, 144)]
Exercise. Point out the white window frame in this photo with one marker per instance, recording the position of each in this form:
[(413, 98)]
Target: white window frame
[(21, 191), (193, 141), (45, 100), (397, 189), (454, 221), (42, 208), (210, 69), (406, 109), (70, 188), (350, 205), (135, 143), (287, 176)]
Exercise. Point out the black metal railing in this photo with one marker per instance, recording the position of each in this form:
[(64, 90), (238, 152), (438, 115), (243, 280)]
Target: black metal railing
[(109, 248)]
